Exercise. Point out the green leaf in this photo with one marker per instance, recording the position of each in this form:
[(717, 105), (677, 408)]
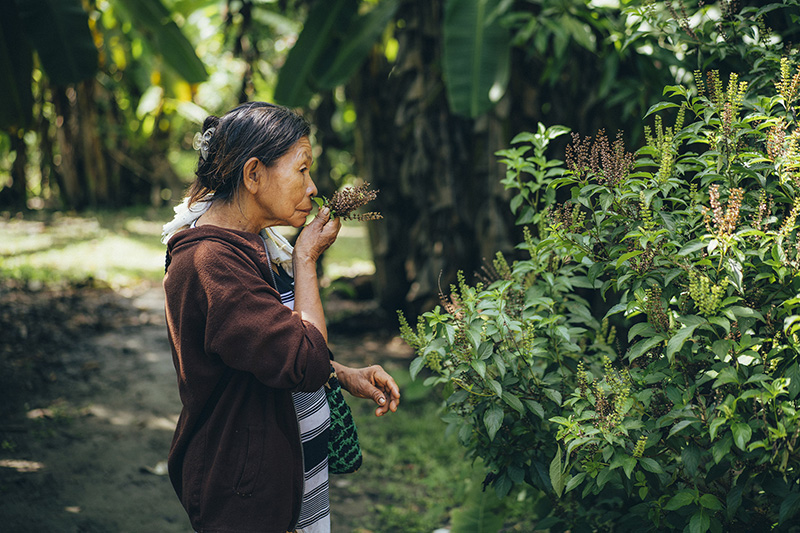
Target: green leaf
[(789, 507), (476, 56), (734, 268), (757, 378), (699, 523), (324, 19), (59, 31), (721, 449), (721, 347), (692, 247), (493, 419), (628, 464), (676, 342), (681, 499), (575, 481), (733, 501), (744, 312), (416, 365), (741, 434), (793, 374), (535, 408), (516, 201), (680, 425), (642, 329), (557, 473), (722, 322), (485, 350), (659, 107), (166, 38), (355, 45), (483, 512), (651, 465), (709, 501), (479, 366), (604, 477), (728, 374), (691, 457), (513, 401), (553, 395), (618, 308), (675, 90), (714, 426), (643, 346), (16, 67), (624, 257)]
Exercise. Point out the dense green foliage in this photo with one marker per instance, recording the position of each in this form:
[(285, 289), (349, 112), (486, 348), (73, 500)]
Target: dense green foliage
[(641, 367)]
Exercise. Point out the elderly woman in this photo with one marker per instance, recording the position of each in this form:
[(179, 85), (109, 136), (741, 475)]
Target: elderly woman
[(248, 333)]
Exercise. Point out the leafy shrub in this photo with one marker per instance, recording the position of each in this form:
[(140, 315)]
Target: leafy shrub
[(641, 367)]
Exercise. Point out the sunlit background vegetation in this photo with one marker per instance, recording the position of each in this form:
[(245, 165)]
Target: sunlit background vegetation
[(103, 97)]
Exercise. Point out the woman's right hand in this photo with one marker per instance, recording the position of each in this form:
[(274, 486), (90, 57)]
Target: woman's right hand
[(317, 236)]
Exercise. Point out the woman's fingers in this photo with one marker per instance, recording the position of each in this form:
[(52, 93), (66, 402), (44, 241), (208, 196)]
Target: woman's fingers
[(318, 235), (372, 383), (386, 393)]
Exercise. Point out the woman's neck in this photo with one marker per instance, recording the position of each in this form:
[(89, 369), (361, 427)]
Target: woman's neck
[(229, 215)]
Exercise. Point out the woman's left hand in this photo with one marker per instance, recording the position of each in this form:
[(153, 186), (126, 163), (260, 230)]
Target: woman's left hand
[(371, 382)]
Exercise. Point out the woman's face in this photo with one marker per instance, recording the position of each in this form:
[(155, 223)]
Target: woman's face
[(285, 194)]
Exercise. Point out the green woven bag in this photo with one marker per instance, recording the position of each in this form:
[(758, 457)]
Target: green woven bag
[(344, 452)]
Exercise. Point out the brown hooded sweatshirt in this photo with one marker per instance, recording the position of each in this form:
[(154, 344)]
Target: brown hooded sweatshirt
[(236, 460)]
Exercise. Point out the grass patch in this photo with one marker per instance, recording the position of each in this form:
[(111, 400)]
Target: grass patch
[(350, 255), (412, 471), (118, 248)]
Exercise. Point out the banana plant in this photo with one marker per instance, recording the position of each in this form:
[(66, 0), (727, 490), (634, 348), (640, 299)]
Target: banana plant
[(153, 19), (476, 55), (337, 38), (59, 32)]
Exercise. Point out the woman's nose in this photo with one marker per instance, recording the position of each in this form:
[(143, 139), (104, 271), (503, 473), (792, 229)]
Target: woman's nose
[(312, 189)]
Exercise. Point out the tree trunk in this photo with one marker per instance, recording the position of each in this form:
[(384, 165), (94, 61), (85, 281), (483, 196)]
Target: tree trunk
[(47, 165), (15, 195), (443, 205), (72, 194), (94, 165)]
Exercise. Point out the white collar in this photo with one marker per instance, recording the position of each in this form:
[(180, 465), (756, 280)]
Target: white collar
[(280, 251)]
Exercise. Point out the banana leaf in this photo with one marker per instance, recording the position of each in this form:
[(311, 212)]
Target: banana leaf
[(358, 40), (476, 57), (16, 64), (314, 42), (165, 37), (59, 31)]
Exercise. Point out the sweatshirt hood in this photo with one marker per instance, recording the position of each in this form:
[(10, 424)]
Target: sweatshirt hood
[(250, 244)]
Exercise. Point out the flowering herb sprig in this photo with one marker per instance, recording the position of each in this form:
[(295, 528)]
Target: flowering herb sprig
[(344, 203)]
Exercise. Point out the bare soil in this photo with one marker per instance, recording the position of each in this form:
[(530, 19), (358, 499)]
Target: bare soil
[(88, 404)]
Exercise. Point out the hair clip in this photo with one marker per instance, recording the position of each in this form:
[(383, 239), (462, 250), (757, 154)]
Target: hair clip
[(200, 141)]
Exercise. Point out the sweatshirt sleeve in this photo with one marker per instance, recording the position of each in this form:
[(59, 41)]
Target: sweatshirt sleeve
[(249, 328)]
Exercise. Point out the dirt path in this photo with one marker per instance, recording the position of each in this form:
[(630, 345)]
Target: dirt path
[(85, 454)]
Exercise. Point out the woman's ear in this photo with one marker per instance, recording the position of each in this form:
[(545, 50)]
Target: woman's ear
[(250, 174)]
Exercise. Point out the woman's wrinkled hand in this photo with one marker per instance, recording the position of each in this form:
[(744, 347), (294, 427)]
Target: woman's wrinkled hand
[(317, 236), (371, 382)]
